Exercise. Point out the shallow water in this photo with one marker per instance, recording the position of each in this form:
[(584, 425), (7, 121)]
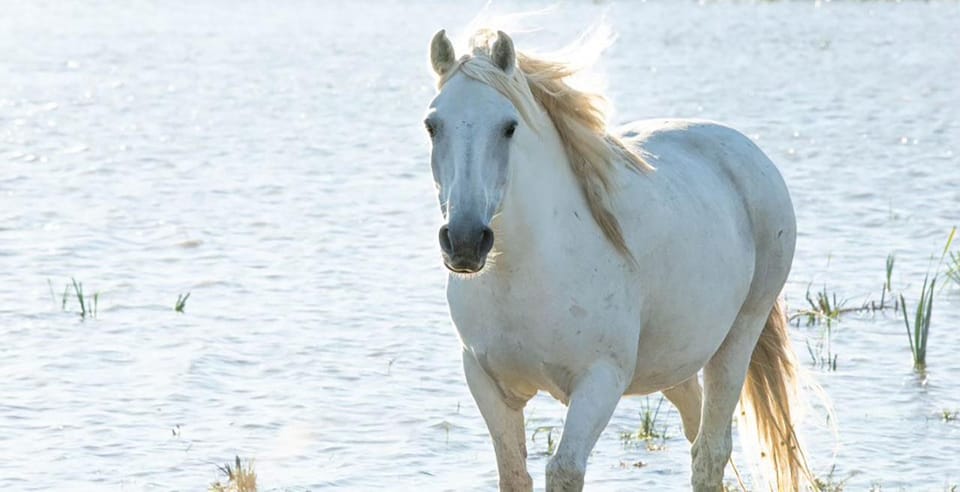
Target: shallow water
[(270, 160)]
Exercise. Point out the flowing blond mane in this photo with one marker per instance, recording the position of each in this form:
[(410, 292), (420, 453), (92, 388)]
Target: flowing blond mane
[(580, 118)]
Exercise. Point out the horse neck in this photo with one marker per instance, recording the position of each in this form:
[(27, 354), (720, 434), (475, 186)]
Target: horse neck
[(542, 196)]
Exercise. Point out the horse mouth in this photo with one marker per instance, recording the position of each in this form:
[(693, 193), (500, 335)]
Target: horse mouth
[(464, 267)]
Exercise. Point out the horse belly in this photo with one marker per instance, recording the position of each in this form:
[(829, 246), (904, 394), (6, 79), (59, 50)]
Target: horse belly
[(666, 358), (685, 322)]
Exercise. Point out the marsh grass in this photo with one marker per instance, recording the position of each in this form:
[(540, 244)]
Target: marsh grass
[(89, 305), (825, 310), (887, 286), (919, 333), (829, 483), (240, 478), (551, 442), (651, 431), (824, 307), (181, 302)]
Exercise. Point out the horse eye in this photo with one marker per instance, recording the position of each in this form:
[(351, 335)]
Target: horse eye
[(508, 131)]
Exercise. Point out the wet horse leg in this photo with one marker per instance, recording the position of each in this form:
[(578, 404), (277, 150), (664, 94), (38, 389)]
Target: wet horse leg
[(592, 402), (504, 422), (723, 378)]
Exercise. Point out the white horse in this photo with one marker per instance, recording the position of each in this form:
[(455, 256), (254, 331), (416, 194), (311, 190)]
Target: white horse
[(592, 265)]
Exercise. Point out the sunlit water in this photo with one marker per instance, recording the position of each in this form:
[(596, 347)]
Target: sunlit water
[(269, 159)]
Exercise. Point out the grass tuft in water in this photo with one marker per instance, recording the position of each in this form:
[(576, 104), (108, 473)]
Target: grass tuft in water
[(240, 478), (825, 310), (651, 432), (181, 302), (919, 333), (89, 305), (551, 442), (825, 307)]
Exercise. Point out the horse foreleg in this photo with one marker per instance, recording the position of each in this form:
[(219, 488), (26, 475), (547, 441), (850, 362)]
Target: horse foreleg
[(592, 402), (505, 424), (687, 397), (723, 378)]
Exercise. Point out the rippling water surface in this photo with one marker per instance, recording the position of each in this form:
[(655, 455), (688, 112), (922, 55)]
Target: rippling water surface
[(269, 159)]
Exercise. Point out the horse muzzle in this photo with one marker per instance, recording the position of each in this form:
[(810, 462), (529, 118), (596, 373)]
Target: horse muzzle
[(465, 247)]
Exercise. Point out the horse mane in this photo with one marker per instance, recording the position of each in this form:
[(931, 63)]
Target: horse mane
[(580, 118)]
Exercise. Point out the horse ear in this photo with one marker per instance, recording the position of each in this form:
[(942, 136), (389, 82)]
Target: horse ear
[(503, 53), (442, 56)]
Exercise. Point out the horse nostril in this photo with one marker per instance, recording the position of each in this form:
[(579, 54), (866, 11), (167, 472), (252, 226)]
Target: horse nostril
[(486, 241), (445, 239)]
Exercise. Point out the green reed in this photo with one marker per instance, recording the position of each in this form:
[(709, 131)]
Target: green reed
[(89, 305), (551, 442), (890, 261), (919, 333), (181, 302), (651, 429)]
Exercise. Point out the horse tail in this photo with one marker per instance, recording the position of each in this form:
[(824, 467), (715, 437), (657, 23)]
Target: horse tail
[(768, 408)]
